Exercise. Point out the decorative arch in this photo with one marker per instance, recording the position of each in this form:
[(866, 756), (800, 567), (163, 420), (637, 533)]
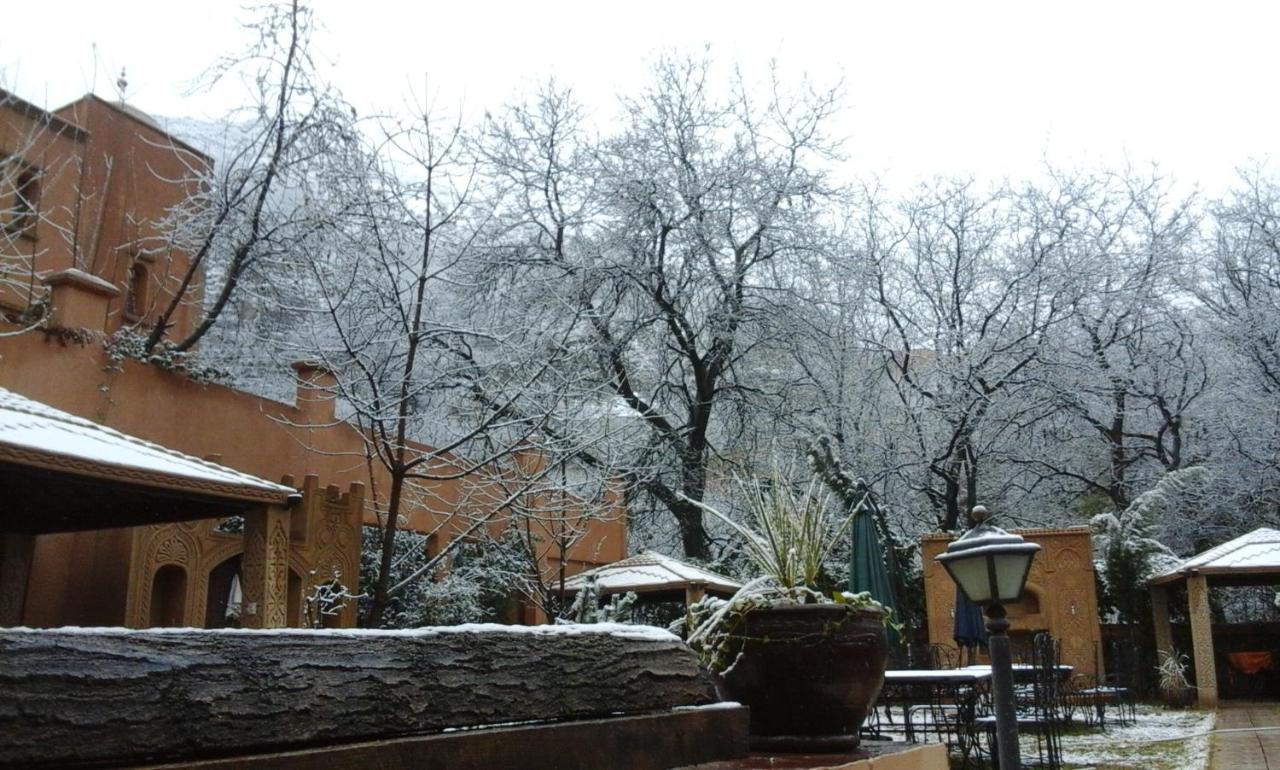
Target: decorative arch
[(168, 604), (218, 592), (155, 548)]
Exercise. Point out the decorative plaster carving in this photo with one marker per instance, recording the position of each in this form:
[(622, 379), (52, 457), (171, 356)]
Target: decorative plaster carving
[(268, 557), (173, 550), (277, 598)]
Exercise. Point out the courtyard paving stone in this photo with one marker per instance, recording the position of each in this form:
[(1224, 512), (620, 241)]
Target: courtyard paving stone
[(1246, 750)]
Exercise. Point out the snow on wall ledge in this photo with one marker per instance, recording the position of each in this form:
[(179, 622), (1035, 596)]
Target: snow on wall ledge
[(620, 630)]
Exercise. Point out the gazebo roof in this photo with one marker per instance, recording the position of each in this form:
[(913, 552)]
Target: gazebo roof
[(1253, 554), (44, 450), (650, 572)]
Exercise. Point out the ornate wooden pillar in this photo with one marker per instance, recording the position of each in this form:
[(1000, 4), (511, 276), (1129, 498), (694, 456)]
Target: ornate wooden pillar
[(1202, 640), (15, 569), (1160, 617), (265, 568)]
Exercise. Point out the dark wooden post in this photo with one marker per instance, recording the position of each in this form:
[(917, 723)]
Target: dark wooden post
[(15, 570)]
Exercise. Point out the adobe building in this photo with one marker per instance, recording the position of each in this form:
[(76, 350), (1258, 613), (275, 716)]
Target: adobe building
[(1060, 597), (62, 473), (84, 195)]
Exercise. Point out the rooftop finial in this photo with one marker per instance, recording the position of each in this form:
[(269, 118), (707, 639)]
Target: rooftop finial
[(122, 84), (979, 513)]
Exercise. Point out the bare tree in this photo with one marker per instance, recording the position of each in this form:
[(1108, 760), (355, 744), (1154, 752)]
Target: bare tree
[(1126, 368), (971, 289), (1243, 288), (446, 392), (251, 207), (663, 240), (1240, 291)]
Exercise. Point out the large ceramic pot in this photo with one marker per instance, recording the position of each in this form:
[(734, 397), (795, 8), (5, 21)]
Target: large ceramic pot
[(808, 672)]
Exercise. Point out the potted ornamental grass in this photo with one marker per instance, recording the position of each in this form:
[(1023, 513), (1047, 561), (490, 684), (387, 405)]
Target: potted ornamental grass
[(808, 665), (1175, 688)]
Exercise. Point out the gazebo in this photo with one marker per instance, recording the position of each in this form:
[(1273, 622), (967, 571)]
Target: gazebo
[(63, 473), (654, 576), (1251, 559)]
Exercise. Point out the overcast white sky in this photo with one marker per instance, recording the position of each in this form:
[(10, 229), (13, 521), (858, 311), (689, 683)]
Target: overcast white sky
[(990, 88)]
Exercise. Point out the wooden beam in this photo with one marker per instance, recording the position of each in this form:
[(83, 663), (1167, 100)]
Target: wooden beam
[(40, 502), (115, 697)]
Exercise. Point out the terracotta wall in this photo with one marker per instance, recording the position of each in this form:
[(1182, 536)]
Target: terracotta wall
[(134, 175), (109, 179), (1061, 595)]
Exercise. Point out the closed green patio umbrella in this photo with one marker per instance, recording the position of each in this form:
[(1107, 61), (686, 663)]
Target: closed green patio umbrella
[(867, 569)]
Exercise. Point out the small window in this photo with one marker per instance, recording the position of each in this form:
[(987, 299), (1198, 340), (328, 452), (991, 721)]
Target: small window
[(135, 305), (20, 201)]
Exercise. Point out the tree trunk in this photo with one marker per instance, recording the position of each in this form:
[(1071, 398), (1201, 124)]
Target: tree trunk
[(386, 552), (693, 530), (112, 696)]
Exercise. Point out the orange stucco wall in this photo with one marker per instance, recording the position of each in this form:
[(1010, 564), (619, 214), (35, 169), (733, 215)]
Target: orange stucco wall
[(108, 182), (1060, 598), (134, 175)]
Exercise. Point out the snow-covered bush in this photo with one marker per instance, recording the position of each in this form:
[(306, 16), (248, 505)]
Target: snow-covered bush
[(586, 607), (1126, 555), (128, 343), (475, 585), (326, 600)]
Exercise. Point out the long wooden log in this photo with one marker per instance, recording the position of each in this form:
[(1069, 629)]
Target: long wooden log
[(132, 696)]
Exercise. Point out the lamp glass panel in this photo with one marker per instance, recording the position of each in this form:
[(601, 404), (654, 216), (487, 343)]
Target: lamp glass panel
[(1011, 574), (972, 576)]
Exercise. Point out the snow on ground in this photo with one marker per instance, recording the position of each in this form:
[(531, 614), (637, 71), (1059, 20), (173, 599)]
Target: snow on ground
[(1140, 746)]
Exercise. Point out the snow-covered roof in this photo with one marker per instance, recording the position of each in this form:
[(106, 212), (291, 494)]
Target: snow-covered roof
[(1255, 552), (648, 572), (36, 435)]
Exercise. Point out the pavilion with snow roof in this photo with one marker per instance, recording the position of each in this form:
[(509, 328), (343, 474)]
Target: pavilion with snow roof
[(656, 577), (1249, 560), (63, 473)]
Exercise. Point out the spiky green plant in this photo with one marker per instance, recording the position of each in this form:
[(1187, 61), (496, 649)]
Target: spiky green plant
[(792, 533)]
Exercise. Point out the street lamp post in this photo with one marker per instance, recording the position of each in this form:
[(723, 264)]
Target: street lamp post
[(991, 566)]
